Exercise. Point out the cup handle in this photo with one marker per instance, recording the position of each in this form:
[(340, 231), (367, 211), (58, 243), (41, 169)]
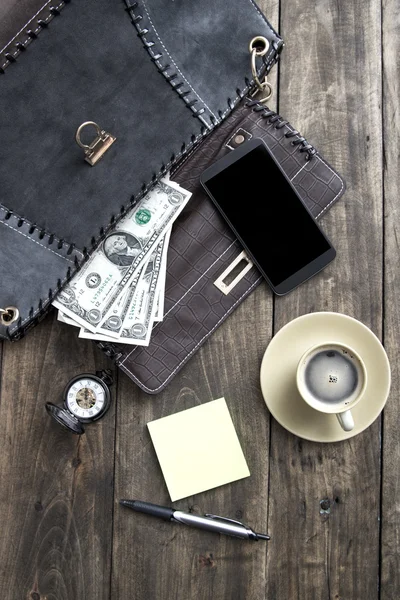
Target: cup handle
[(346, 420)]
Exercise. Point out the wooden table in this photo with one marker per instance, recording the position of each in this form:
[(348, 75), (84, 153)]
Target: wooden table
[(332, 509)]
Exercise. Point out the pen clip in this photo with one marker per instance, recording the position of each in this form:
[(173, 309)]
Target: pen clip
[(217, 518)]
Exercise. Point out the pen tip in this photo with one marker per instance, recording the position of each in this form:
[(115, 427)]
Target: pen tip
[(126, 502), (263, 536)]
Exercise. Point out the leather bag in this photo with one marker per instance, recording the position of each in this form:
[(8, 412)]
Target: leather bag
[(156, 75)]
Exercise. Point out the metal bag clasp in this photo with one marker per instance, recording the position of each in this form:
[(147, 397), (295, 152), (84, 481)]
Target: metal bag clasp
[(96, 149)]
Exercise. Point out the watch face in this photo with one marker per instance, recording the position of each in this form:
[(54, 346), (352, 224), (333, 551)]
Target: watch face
[(86, 398)]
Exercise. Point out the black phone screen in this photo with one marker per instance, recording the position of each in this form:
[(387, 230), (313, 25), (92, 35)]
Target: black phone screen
[(268, 216)]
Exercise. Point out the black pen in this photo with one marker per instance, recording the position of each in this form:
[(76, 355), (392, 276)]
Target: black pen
[(208, 522)]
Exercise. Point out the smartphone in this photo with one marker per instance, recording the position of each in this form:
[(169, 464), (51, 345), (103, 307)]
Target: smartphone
[(267, 215)]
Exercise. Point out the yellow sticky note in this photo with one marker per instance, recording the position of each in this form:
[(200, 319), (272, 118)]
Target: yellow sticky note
[(198, 449)]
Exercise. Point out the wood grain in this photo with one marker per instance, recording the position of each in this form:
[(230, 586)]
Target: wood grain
[(330, 87), (56, 488), (390, 547)]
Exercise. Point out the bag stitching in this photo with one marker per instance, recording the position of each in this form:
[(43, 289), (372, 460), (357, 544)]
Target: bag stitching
[(178, 69), (341, 187), (42, 22), (36, 242), (231, 105), (259, 121), (264, 19), (299, 171), (27, 23), (40, 308), (188, 155), (16, 216)]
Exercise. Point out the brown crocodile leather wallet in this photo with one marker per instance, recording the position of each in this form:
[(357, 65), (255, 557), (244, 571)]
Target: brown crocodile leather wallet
[(202, 246)]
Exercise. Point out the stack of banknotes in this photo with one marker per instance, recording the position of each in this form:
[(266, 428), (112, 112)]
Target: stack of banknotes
[(118, 294)]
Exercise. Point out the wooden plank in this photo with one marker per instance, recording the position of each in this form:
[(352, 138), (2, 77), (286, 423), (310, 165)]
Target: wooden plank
[(390, 550), (155, 559), (56, 489), (330, 89)]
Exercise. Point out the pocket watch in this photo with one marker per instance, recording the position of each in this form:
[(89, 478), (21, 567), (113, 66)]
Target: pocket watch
[(86, 399)]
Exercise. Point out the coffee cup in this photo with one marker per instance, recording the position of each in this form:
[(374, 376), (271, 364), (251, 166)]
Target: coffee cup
[(332, 378)]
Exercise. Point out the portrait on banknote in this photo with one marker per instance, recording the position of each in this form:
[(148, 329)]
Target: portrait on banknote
[(121, 248)]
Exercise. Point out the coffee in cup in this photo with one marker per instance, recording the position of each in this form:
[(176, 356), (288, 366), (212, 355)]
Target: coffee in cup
[(332, 378)]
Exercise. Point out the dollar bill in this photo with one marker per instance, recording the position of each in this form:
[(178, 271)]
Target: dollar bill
[(139, 307), (99, 337), (159, 312), (112, 324), (110, 329), (91, 294), (139, 320), (64, 319), (82, 333), (157, 315)]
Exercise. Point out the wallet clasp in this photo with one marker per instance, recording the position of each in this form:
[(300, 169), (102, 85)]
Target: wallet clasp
[(96, 149), (233, 273)]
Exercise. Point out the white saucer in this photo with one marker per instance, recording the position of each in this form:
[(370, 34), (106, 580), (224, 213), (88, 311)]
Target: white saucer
[(278, 375)]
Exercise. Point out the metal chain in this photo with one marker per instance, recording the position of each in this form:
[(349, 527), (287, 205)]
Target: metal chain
[(259, 47)]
